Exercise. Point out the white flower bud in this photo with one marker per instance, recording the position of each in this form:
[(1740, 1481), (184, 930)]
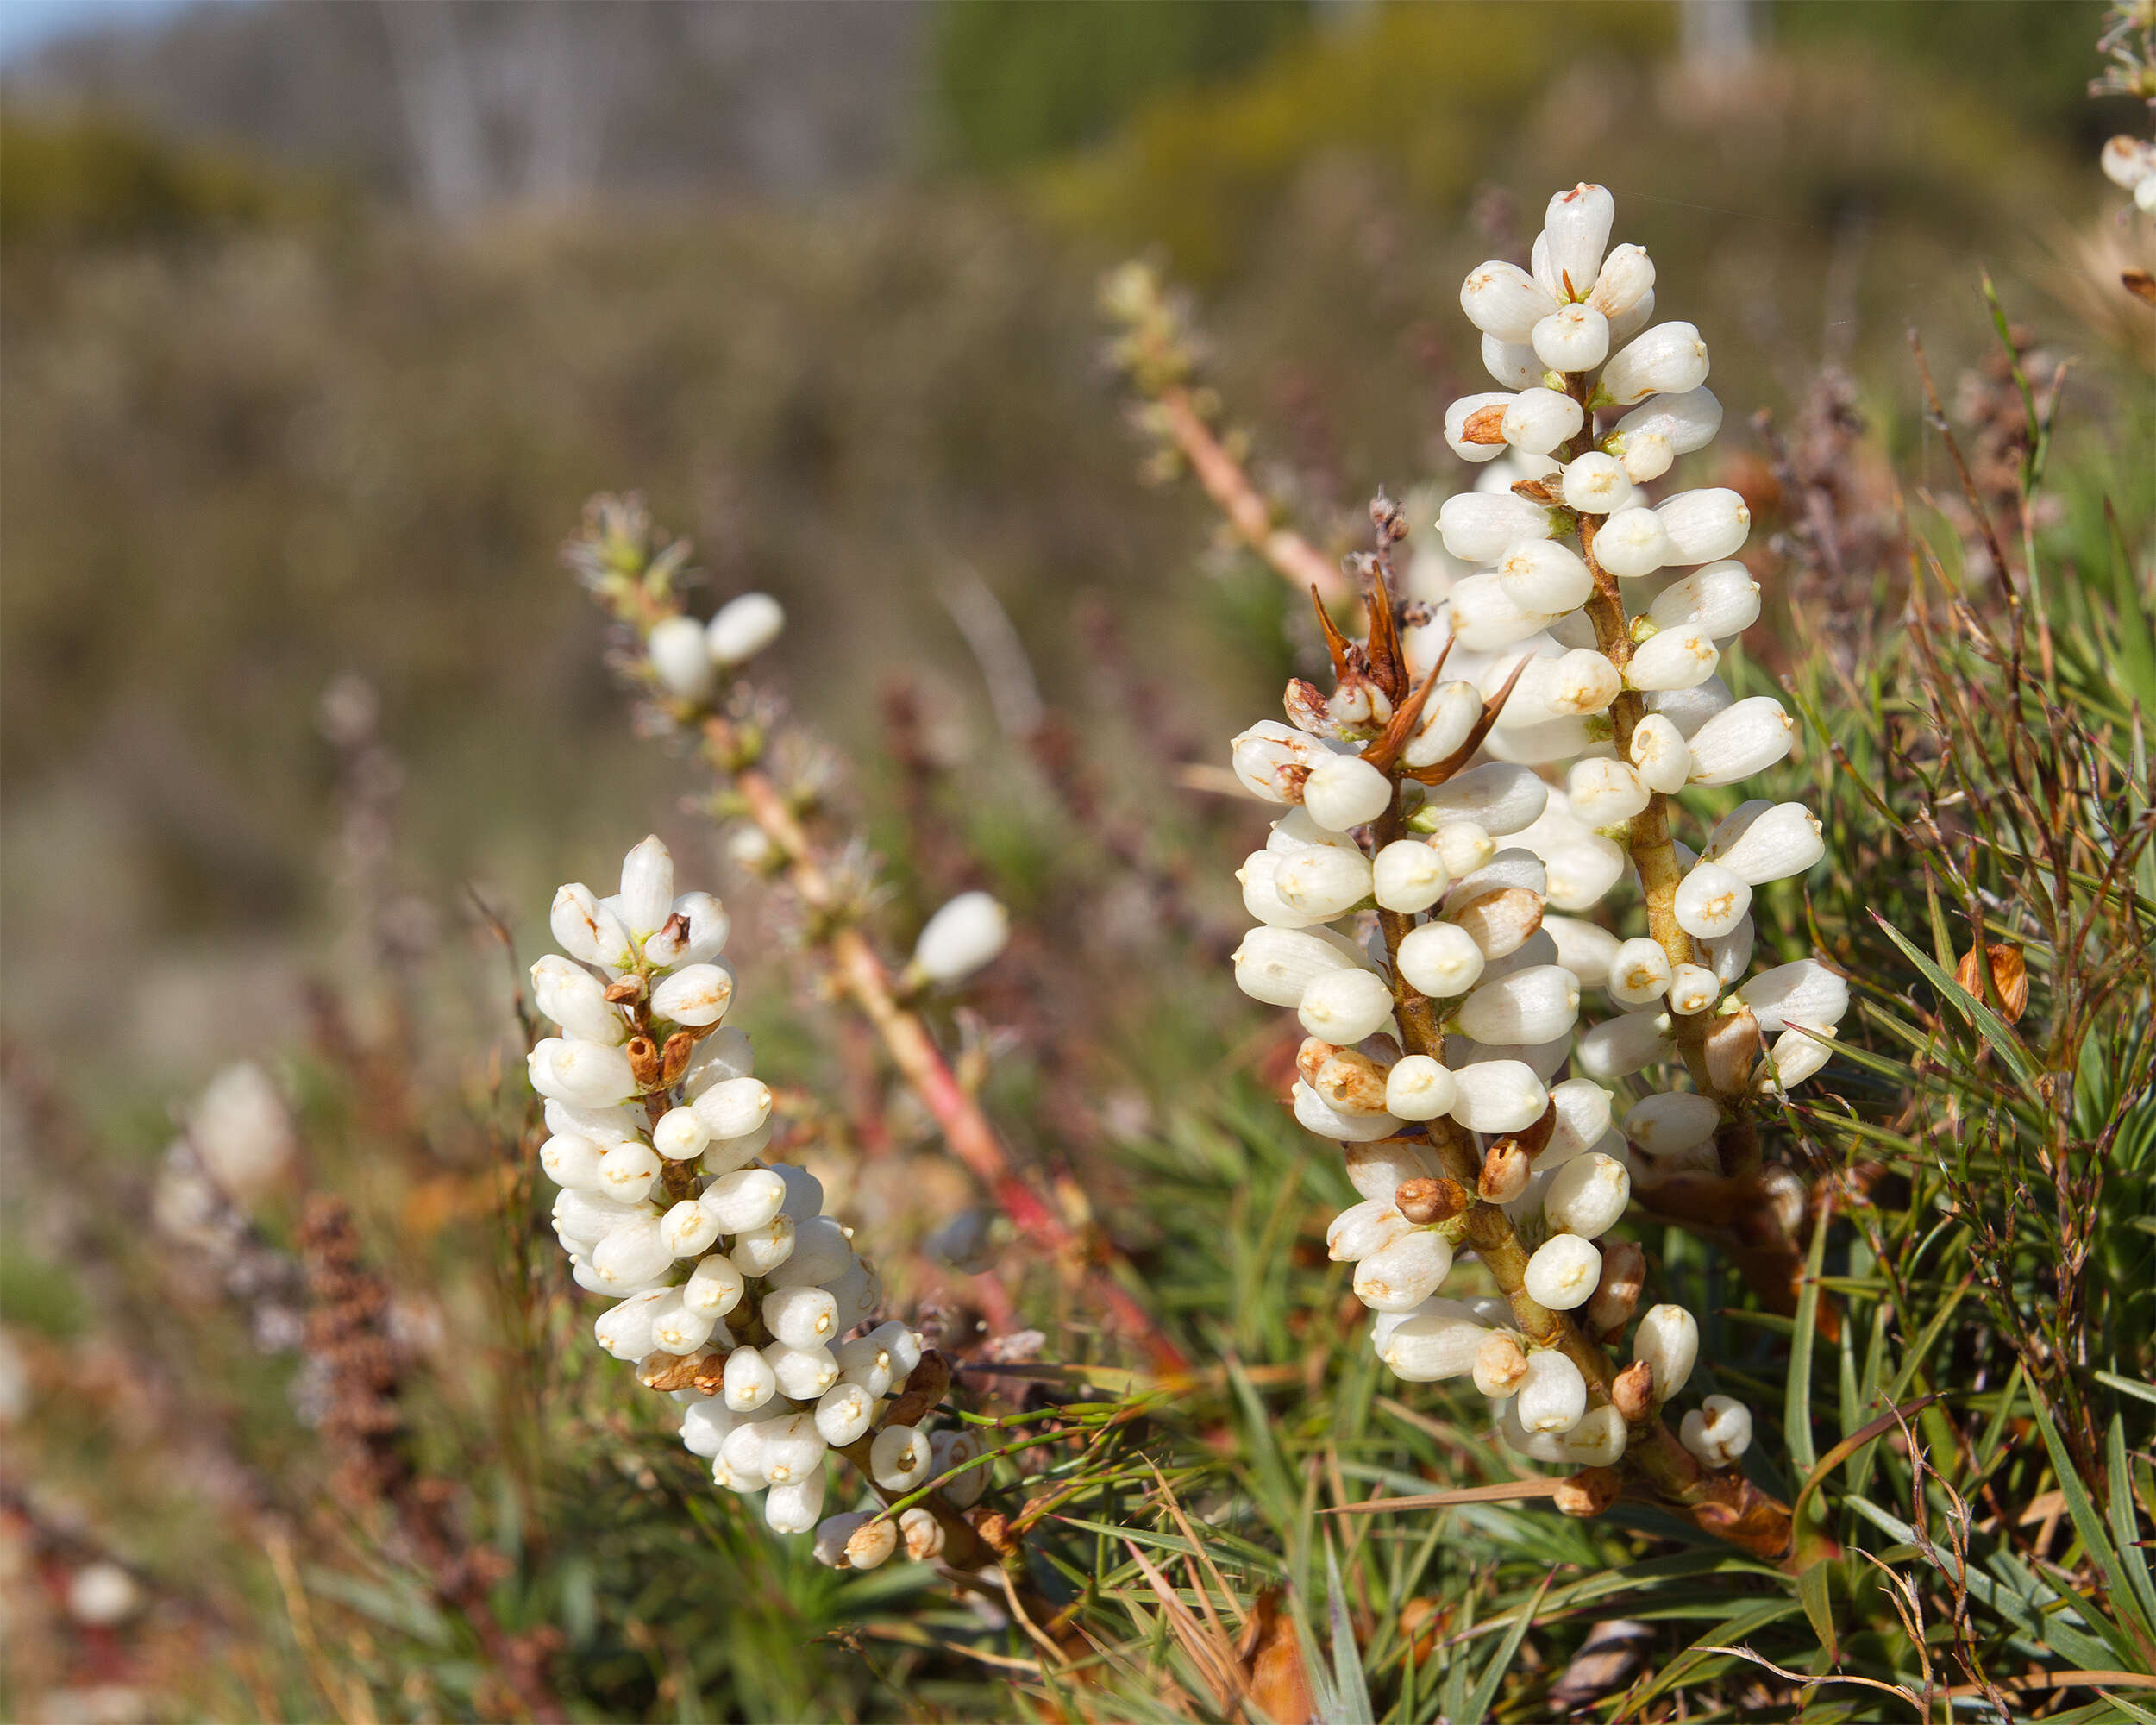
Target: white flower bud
[(1673, 1122), (724, 1155), (733, 1107), (1597, 1441), (624, 1331), (714, 1286), (1480, 527), (1563, 1272), (794, 1507), (1679, 658), (1408, 875), (747, 1381), (1458, 415), (1272, 759), (1343, 1006), (1587, 1195), (1693, 989), (1762, 841), (1730, 957), (1703, 526), (1626, 278), (1325, 880), (1363, 1230), (951, 1450), (923, 1534), (1618, 1047), (844, 1413), (2127, 161), (1646, 457), (900, 1457), (695, 995), (1418, 1088), (576, 1000), (1539, 420), (1500, 922), (961, 937), (626, 1171), (741, 1454), (722, 1054), (689, 1228), (1583, 1122), (1689, 420), (1503, 300), (1498, 1096), (1533, 1005), (1552, 1397), (1631, 542), (1573, 338), (1805, 993), (760, 1251), (804, 1192), (820, 1255), (1544, 577), (586, 929), (1583, 948), (1596, 484), (570, 1160), (1449, 717), (1498, 798), (1690, 709), (1603, 792), (583, 1074), (1344, 791), (1667, 360), (745, 1199), (743, 628), (1400, 1276), (1743, 739), (1639, 973), (1501, 1364), (1576, 228), (872, 1543), (1463, 844), (1797, 1054), (680, 1136), (804, 1373), (647, 886), (1259, 877), (704, 1425), (1668, 1341), (1661, 754), (1718, 1431), (865, 1362), (679, 657), (1277, 965), (1484, 618), (1711, 901), (1582, 866), (1316, 1115), (1378, 1170), (1721, 599), (1440, 959), (1574, 684), (676, 1329), (1513, 364), (1438, 1340)]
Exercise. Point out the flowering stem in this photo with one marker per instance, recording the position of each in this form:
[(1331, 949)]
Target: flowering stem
[(863, 977)]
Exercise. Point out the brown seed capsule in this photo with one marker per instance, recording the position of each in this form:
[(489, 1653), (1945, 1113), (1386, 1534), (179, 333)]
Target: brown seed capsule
[(1733, 1048), (1352, 1082), (1588, 1492), (1631, 1392), (924, 1388), (994, 1528), (627, 989), (1501, 1365), (680, 1371), (1314, 1053), (1624, 1274), (643, 1061), (1428, 1200), (673, 1059), (2009, 976), (1500, 922), (1485, 425), (1504, 1171), (1536, 1138)]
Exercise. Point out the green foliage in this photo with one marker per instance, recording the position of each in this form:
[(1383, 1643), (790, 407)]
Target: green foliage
[(1020, 79)]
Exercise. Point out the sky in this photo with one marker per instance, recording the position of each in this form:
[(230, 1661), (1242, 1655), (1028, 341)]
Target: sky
[(26, 24)]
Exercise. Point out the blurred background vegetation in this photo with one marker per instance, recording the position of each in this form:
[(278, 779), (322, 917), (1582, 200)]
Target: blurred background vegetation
[(317, 323)]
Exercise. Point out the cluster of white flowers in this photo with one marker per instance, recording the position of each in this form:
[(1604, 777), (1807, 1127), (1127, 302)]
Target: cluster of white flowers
[(2130, 163), (731, 1289), (1607, 614)]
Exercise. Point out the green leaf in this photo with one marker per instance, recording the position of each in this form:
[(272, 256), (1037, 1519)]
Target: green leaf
[(2095, 1540), (1814, 1591), (1351, 1697), (1478, 1703), (2003, 1043), (2125, 1527)]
